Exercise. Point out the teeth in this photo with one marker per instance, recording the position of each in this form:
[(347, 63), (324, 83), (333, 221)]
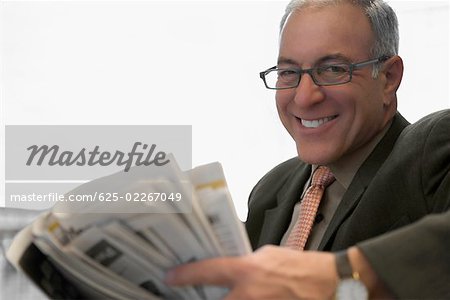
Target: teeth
[(316, 123)]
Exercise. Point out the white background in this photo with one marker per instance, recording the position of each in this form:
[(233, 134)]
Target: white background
[(191, 63)]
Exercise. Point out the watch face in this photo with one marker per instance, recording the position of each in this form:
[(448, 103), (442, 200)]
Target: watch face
[(351, 289)]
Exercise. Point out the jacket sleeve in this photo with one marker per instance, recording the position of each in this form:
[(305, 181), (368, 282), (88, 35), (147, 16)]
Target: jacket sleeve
[(414, 261)]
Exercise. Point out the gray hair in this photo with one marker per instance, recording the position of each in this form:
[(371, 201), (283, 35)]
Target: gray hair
[(381, 16)]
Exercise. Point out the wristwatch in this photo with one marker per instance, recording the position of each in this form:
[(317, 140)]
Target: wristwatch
[(349, 286)]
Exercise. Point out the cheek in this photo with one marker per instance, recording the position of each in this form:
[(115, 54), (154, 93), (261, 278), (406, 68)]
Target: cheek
[(370, 110), (282, 103), (282, 99), (367, 121)]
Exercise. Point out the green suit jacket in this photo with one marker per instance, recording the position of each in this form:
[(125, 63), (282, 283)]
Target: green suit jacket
[(405, 178)]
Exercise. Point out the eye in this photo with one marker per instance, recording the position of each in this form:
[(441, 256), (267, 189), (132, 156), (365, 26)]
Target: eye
[(337, 69), (287, 74)]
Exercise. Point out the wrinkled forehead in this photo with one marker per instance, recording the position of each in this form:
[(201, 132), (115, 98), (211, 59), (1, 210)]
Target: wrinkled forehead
[(340, 28), (297, 5), (337, 11)]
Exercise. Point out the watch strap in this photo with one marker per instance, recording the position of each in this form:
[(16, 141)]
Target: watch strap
[(343, 266)]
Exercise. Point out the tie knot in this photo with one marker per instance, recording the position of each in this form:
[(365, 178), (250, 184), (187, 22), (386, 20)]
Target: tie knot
[(322, 176)]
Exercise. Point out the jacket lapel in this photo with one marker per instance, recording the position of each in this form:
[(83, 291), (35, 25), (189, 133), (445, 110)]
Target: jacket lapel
[(277, 219), (363, 177)]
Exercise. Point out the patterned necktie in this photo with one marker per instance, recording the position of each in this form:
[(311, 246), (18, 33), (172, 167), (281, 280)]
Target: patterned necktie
[(321, 178)]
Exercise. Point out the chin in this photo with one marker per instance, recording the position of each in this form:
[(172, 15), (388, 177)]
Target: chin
[(315, 157)]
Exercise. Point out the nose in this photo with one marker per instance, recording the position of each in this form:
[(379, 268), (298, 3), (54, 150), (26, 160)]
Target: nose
[(308, 93)]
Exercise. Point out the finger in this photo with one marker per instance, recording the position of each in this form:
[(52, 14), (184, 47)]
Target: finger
[(217, 271)]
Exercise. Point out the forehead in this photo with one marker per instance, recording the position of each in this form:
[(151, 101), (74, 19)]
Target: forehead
[(316, 32)]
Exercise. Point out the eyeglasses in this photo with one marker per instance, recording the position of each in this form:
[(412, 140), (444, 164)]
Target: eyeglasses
[(322, 75)]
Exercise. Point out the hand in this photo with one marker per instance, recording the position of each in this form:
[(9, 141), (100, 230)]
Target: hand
[(269, 273)]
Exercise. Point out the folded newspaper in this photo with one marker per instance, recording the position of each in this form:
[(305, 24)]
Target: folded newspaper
[(139, 225)]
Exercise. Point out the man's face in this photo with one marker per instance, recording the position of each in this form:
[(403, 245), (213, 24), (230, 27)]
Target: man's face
[(330, 122)]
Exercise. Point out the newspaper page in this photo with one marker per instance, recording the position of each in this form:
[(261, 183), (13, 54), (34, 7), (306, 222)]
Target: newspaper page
[(216, 203), (63, 276), (112, 254)]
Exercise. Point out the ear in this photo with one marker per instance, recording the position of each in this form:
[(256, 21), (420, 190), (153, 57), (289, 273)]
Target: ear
[(393, 71)]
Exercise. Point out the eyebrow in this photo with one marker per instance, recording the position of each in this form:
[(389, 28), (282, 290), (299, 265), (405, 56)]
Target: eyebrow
[(289, 61)]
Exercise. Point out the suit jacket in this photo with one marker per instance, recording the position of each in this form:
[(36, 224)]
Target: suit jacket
[(405, 178)]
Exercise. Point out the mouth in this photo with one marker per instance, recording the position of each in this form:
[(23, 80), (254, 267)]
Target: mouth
[(316, 123)]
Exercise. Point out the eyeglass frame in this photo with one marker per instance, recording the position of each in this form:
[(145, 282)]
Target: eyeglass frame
[(300, 71)]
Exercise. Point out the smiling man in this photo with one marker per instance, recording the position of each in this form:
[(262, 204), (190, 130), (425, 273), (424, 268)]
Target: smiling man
[(336, 85), (335, 109), (362, 171)]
